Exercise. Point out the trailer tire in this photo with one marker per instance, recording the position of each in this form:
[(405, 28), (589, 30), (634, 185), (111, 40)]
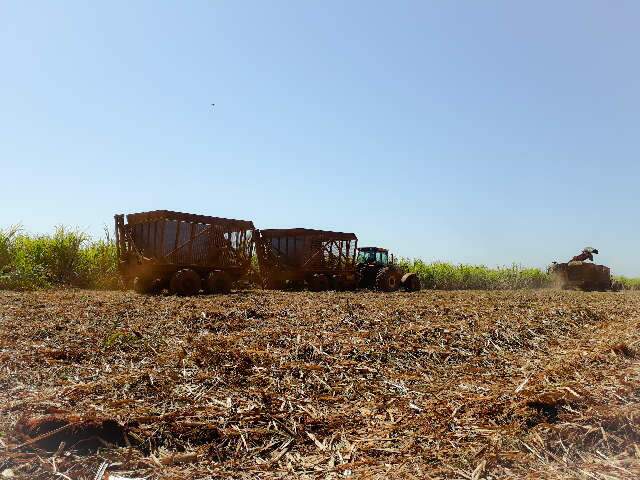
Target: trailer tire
[(185, 282), (357, 280), (218, 282), (387, 280), (338, 283), (294, 284), (411, 282), (142, 285), (270, 283), (318, 282)]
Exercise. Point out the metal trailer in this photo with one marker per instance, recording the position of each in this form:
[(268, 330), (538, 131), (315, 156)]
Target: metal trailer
[(183, 252), (291, 258), (578, 275)]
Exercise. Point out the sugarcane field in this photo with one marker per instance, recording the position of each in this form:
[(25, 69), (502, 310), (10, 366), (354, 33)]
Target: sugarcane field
[(209, 348)]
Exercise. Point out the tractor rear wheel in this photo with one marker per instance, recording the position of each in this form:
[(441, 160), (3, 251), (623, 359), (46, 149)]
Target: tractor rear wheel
[(411, 282), (218, 282), (318, 283), (387, 280), (185, 282)]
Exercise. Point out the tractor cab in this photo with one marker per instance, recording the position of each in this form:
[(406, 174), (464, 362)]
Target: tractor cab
[(377, 269), (374, 256)]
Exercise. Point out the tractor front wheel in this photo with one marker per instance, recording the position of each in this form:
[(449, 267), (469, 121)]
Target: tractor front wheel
[(387, 280), (185, 282), (411, 282)]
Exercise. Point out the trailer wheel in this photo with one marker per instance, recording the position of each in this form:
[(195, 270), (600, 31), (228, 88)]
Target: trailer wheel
[(387, 280), (357, 280), (411, 282), (338, 283), (295, 284), (218, 282), (185, 282), (142, 285), (318, 283), (271, 283)]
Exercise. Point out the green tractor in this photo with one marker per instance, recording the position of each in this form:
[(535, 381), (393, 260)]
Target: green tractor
[(375, 270)]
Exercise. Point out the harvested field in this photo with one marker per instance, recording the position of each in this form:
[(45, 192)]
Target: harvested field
[(264, 384)]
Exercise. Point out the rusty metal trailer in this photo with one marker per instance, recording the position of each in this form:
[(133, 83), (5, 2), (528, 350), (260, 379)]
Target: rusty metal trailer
[(579, 275), (297, 256), (183, 252)]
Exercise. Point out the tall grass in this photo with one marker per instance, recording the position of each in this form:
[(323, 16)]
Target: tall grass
[(7, 239), (70, 257), (628, 283), (66, 257), (447, 276)]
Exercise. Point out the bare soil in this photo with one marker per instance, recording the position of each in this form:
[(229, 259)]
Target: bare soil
[(263, 384)]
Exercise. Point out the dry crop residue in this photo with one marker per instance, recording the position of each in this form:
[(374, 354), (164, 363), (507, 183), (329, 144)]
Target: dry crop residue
[(262, 384)]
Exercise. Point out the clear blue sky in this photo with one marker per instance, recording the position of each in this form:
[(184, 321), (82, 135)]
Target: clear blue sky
[(487, 132)]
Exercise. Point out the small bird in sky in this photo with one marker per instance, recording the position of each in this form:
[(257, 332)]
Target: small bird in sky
[(213, 104)]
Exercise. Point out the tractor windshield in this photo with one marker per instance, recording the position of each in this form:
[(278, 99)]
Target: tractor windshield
[(366, 257), (372, 256)]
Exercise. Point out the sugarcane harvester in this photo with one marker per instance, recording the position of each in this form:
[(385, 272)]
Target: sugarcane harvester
[(182, 252), (580, 273)]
